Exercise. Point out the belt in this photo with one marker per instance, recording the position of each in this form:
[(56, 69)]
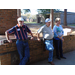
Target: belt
[(48, 39), (23, 40)]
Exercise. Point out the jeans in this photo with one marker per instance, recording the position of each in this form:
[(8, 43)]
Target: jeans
[(23, 50), (58, 46), (49, 46)]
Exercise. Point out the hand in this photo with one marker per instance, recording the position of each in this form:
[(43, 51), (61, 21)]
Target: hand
[(32, 38), (10, 41), (52, 32), (62, 39), (38, 39)]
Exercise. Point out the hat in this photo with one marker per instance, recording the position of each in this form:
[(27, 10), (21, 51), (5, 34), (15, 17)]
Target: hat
[(20, 19), (47, 20)]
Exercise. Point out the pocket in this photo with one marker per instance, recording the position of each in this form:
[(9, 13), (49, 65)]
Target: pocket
[(18, 29), (49, 46), (17, 42)]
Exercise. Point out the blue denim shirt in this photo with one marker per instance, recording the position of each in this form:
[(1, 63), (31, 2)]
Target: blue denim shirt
[(58, 31)]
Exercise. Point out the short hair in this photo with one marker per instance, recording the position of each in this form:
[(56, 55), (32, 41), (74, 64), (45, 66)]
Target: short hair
[(20, 19), (57, 19)]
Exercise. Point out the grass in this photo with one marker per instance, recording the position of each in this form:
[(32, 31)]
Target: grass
[(41, 24), (29, 22), (71, 25), (33, 23)]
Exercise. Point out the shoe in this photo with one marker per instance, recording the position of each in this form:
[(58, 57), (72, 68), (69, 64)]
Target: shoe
[(59, 58), (63, 57), (51, 63)]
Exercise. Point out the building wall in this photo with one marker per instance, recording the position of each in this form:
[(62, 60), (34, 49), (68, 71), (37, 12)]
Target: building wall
[(9, 54), (8, 19), (70, 18)]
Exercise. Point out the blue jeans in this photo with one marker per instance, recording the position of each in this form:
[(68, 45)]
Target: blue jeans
[(23, 50), (49, 46)]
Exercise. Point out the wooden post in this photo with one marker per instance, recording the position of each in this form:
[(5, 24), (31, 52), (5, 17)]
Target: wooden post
[(51, 17), (65, 17), (18, 13)]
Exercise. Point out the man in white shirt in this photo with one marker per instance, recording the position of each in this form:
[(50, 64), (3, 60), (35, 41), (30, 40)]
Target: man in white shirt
[(48, 38)]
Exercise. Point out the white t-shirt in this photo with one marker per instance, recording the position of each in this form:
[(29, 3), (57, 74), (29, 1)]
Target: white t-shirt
[(46, 31)]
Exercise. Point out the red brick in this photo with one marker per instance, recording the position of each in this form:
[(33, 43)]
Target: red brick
[(36, 50), (8, 19)]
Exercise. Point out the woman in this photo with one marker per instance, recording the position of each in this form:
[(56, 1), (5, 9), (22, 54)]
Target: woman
[(58, 38)]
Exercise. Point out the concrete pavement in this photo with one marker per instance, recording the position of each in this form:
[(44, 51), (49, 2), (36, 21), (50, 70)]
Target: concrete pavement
[(69, 61)]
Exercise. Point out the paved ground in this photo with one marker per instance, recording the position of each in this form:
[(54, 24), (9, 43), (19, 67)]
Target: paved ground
[(69, 61)]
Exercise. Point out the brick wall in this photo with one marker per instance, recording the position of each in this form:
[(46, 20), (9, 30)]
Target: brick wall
[(8, 19), (9, 54)]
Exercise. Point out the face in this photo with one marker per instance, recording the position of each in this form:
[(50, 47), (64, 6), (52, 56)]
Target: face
[(20, 23), (58, 22), (48, 24)]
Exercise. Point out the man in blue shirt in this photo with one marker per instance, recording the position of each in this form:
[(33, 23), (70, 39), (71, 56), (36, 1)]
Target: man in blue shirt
[(20, 31)]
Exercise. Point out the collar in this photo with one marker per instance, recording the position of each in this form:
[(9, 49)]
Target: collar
[(19, 25)]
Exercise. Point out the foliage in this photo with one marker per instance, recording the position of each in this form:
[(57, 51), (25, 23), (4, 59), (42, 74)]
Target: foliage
[(45, 11), (25, 11)]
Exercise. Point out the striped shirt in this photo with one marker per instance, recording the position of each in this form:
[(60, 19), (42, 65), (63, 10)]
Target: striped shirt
[(20, 32)]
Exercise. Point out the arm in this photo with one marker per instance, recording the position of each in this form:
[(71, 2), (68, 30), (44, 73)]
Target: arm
[(55, 33), (7, 33), (7, 37), (61, 38), (38, 37), (62, 34), (29, 31), (38, 33), (32, 36)]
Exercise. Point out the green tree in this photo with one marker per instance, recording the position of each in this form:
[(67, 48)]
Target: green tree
[(45, 11), (25, 11)]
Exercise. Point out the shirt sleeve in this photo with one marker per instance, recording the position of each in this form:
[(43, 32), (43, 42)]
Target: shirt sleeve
[(11, 31), (28, 30), (62, 31), (55, 32), (40, 30)]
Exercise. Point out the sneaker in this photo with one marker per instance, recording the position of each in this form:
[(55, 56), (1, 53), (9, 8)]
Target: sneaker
[(63, 57), (51, 63), (59, 58)]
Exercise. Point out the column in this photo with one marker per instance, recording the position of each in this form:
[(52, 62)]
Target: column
[(51, 17), (18, 13), (65, 17)]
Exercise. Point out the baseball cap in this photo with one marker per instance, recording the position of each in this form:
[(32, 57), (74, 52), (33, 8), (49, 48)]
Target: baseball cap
[(20, 19), (47, 20)]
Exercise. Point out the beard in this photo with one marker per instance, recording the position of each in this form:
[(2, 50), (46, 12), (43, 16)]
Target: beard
[(20, 24)]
